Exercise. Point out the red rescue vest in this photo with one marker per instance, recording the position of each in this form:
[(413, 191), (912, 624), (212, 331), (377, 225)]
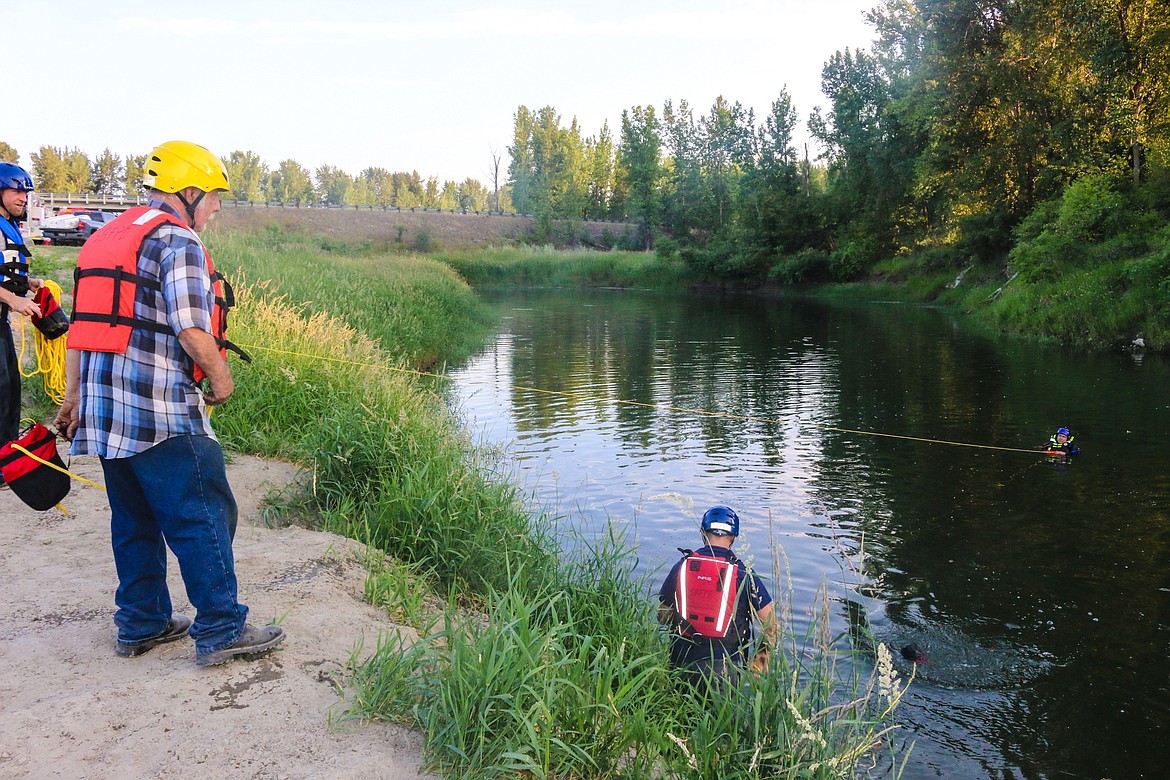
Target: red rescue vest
[(106, 282), (705, 595)]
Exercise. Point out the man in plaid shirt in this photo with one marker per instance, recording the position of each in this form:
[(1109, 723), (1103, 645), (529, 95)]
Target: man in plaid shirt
[(133, 401)]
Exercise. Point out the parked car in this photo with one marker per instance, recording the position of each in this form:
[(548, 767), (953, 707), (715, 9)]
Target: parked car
[(75, 227)]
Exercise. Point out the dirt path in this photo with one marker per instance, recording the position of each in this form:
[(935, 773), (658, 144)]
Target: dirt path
[(70, 708)]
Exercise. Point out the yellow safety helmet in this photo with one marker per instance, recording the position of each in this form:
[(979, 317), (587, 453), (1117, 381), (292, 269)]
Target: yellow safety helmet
[(178, 164)]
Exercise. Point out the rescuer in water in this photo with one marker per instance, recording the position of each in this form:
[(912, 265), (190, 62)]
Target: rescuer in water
[(1062, 442), (149, 322), (708, 599), (15, 284)]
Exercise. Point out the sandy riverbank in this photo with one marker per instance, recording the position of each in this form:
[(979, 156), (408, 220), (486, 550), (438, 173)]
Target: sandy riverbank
[(70, 708)]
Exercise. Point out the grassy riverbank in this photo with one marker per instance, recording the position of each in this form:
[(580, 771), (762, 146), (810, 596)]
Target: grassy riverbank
[(545, 266), (1106, 297), (532, 663), (1058, 283), (560, 669)]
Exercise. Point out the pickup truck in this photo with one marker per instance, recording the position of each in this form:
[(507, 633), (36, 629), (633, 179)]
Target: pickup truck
[(75, 227)]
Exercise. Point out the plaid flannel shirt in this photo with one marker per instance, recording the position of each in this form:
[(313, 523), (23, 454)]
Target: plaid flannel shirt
[(132, 401)]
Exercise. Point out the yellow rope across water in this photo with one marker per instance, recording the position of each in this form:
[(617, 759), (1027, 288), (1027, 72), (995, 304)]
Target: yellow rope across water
[(665, 407)]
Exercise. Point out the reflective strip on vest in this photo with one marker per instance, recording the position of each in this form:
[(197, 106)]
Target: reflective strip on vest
[(706, 594), (150, 214)]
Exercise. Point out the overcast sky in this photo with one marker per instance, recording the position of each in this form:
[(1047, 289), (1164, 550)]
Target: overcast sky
[(422, 85)]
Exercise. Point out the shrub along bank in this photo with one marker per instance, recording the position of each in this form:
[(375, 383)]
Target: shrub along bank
[(560, 670), (1089, 267), (546, 266)]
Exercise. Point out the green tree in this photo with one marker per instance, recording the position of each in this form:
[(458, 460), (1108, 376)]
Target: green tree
[(61, 170), (522, 170), (872, 156), (291, 183), (332, 186), (430, 198), (707, 159), (134, 164), (685, 210), (472, 195), (107, 175), (8, 153), (1126, 46), (247, 175), (548, 174), (568, 173), (381, 186), (600, 163), (725, 147), (778, 215), (360, 193), (640, 170), (449, 195), (407, 189)]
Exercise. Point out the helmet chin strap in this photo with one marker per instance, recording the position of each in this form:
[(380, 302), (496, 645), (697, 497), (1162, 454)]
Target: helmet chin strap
[(190, 207)]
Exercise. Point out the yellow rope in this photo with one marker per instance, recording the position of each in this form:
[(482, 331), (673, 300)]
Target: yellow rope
[(55, 467), (667, 407), (682, 409), (50, 354)]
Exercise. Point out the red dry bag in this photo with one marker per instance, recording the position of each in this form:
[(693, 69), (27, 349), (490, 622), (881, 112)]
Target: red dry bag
[(41, 487), (52, 323)]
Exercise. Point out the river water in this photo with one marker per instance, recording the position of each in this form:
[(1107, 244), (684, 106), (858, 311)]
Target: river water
[(1039, 590)]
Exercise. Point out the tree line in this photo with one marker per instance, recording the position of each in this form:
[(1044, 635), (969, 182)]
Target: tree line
[(66, 169), (962, 132), (970, 130)]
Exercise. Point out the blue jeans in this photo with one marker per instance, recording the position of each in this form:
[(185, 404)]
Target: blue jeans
[(174, 494)]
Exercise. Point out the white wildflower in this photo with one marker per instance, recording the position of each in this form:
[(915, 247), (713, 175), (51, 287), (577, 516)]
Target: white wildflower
[(691, 762), (887, 674), (809, 731)]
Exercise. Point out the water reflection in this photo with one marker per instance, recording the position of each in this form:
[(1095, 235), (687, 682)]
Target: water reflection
[(1040, 591)]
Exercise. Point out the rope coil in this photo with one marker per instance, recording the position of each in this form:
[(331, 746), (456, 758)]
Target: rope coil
[(48, 355)]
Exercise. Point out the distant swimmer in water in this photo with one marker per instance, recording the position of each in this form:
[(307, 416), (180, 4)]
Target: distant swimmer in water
[(912, 654), (863, 638), (1061, 443)]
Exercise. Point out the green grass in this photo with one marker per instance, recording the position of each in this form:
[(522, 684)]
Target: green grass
[(567, 681), (1106, 303), (416, 308), (389, 464), (544, 266)]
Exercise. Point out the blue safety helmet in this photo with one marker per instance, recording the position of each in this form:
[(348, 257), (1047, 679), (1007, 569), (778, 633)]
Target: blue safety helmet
[(13, 177), (721, 521), (1063, 431)]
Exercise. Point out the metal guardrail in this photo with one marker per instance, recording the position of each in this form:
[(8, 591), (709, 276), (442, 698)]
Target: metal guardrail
[(65, 199), (73, 199), (59, 200), (357, 207)]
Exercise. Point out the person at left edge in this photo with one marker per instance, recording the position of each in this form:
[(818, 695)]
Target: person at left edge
[(15, 283), (148, 324)]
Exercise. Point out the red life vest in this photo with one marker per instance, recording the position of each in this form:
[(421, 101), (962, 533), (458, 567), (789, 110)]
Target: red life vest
[(705, 595), (106, 282)]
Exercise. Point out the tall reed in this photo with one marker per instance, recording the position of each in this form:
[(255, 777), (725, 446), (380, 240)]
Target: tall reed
[(416, 308)]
